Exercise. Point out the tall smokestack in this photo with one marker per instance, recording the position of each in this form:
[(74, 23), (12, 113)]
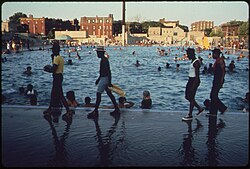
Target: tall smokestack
[(123, 12), (123, 22)]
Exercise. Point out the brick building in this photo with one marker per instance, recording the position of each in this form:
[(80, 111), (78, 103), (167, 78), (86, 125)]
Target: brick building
[(202, 25), (42, 26), (35, 25), (230, 29), (98, 26)]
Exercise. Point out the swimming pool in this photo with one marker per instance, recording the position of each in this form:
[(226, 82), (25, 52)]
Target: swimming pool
[(167, 86)]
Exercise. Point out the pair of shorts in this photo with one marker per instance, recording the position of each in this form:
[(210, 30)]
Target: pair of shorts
[(103, 84), (190, 91)]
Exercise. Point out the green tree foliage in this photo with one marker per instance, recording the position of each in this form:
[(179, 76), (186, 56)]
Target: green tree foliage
[(207, 31), (145, 25), (234, 22), (218, 33), (15, 19), (244, 29), (51, 34), (117, 26), (135, 27)]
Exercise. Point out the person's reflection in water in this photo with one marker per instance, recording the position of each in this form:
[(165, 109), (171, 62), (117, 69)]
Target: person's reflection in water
[(186, 149), (60, 158), (213, 131), (105, 146)]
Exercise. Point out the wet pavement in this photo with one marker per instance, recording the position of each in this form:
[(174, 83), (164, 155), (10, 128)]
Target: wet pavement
[(138, 138)]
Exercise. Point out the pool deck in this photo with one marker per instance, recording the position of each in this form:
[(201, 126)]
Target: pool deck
[(149, 138)]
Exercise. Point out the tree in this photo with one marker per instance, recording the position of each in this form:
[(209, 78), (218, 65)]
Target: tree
[(23, 28), (117, 25), (15, 19), (207, 31), (244, 29), (218, 33), (135, 27), (145, 25)]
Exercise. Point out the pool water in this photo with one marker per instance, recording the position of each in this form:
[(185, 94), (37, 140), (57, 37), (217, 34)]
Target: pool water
[(167, 87)]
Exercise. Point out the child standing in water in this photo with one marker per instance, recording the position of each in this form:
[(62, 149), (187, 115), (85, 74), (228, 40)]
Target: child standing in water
[(147, 101)]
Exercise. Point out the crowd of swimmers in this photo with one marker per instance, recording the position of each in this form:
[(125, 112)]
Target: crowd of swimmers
[(146, 102)]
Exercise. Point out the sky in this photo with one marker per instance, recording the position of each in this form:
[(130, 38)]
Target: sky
[(186, 12)]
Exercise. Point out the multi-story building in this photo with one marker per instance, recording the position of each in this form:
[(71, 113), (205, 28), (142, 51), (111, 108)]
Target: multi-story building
[(98, 26), (154, 31), (6, 26), (42, 26), (35, 25), (230, 29), (202, 25), (167, 34), (169, 23)]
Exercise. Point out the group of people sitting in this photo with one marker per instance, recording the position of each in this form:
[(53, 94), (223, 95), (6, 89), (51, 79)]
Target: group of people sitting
[(146, 102)]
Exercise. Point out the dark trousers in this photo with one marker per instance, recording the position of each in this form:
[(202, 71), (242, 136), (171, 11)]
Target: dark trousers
[(216, 103), (57, 97)]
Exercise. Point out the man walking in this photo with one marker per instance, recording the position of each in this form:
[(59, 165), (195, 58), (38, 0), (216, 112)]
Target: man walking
[(193, 84), (57, 91), (103, 81), (219, 74)]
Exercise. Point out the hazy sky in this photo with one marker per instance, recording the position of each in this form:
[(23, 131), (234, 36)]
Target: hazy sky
[(186, 11)]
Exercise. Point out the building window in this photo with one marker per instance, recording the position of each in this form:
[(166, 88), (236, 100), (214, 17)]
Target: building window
[(88, 21), (93, 27), (93, 21), (100, 27), (175, 33), (100, 21), (107, 21)]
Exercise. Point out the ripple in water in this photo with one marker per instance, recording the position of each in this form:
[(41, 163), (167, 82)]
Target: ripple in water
[(167, 86)]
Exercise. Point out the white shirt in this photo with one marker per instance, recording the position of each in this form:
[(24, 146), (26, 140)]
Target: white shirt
[(192, 69), (30, 92)]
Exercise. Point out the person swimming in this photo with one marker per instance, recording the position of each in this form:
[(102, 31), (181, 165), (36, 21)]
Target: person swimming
[(146, 101), (28, 71), (137, 63), (88, 103)]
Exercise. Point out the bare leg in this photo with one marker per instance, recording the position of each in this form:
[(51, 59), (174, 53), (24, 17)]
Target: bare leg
[(98, 100), (191, 107), (94, 114), (112, 97)]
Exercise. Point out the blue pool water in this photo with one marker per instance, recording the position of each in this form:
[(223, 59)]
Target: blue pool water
[(167, 87)]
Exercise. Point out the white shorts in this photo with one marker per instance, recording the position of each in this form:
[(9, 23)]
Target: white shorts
[(103, 84)]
